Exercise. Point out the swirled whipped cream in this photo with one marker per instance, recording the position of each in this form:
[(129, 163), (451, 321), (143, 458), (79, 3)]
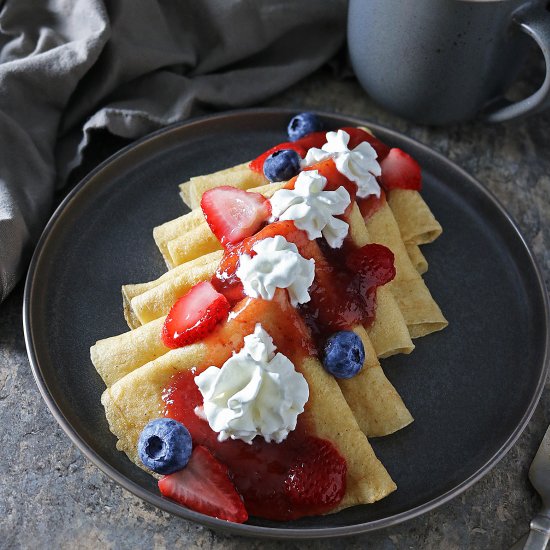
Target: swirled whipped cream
[(313, 209), (277, 264), (255, 392), (358, 165)]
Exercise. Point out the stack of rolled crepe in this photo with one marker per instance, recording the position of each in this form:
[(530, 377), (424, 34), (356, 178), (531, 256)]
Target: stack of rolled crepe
[(136, 365)]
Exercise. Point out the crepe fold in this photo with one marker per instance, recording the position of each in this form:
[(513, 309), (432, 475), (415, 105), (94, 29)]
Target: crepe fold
[(420, 311), (117, 356), (415, 220), (417, 258), (135, 399), (146, 302)]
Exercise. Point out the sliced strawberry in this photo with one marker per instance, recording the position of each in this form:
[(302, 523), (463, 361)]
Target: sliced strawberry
[(204, 486), (314, 139), (234, 214), (317, 476), (257, 165), (400, 171), (194, 315)]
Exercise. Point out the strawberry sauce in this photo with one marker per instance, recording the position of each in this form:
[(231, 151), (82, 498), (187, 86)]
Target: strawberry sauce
[(303, 475), (263, 472), (356, 273), (370, 205)]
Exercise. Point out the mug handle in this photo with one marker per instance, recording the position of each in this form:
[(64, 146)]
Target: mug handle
[(535, 22)]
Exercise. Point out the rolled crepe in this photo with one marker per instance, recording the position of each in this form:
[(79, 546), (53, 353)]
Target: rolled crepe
[(416, 222), (117, 356), (177, 281), (237, 176), (389, 333), (375, 403), (188, 237), (166, 232), (136, 399), (414, 218), (195, 243), (421, 312), (149, 301), (240, 176), (129, 291), (417, 258)]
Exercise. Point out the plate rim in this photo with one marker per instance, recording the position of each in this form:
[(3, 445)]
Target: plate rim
[(255, 530)]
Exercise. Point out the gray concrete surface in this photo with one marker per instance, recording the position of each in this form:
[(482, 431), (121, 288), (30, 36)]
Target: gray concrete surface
[(52, 497)]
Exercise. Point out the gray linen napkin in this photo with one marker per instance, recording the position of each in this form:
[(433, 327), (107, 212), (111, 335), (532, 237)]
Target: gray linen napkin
[(71, 67)]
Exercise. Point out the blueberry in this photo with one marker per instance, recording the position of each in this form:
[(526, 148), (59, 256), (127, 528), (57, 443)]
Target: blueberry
[(344, 354), (282, 165), (165, 446), (303, 124)]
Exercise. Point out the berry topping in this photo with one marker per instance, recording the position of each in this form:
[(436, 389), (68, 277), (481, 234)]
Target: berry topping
[(303, 124), (315, 139), (318, 476), (282, 165), (344, 354), (400, 171), (374, 263), (204, 486), (194, 315), (164, 446), (234, 214)]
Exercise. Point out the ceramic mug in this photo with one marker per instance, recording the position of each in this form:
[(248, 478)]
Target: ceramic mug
[(443, 61)]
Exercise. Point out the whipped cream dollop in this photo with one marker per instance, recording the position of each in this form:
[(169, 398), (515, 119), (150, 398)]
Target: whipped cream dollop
[(313, 209), (277, 264), (255, 392), (358, 165)]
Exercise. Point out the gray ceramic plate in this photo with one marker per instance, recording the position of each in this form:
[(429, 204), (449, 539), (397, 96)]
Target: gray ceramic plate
[(471, 388)]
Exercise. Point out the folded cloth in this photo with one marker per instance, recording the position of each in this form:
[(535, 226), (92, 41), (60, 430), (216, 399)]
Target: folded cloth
[(70, 67)]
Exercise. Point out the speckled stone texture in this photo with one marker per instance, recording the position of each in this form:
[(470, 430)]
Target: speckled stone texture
[(52, 497)]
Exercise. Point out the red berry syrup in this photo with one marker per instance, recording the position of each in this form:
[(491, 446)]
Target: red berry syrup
[(303, 475)]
